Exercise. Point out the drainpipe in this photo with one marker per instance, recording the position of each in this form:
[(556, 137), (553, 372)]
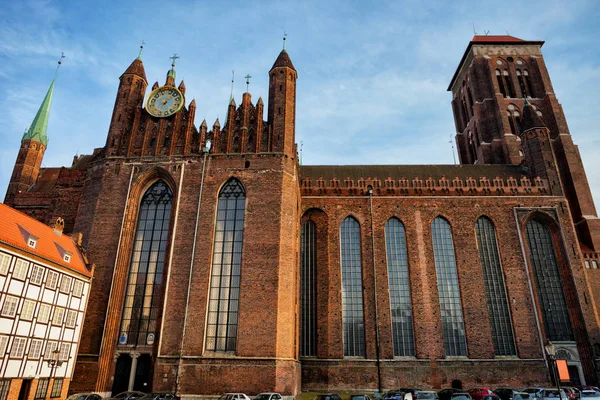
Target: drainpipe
[(187, 299), (375, 291)]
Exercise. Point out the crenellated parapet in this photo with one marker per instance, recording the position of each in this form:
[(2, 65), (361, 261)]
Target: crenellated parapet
[(324, 181)]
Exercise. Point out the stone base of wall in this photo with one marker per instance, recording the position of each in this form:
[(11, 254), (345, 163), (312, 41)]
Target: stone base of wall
[(348, 375), (215, 376)]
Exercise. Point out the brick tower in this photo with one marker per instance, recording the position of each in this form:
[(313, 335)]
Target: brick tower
[(31, 152), (495, 76)]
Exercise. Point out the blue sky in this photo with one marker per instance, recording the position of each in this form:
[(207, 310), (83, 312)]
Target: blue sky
[(372, 74)]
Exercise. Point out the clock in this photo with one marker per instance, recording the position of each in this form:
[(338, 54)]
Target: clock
[(164, 101)]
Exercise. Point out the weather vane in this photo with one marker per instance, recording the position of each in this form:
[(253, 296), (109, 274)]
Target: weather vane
[(62, 55), (247, 81), (174, 58), (141, 49), (284, 37)]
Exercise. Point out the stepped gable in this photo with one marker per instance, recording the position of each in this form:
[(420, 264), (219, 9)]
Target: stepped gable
[(420, 180)]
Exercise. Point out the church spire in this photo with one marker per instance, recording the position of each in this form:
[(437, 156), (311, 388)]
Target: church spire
[(39, 125)]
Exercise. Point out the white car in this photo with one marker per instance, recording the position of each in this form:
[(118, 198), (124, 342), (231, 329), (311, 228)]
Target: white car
[(234, 396), (268, 396)]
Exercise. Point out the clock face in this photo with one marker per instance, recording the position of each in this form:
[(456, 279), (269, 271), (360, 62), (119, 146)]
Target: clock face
[(164, 101)]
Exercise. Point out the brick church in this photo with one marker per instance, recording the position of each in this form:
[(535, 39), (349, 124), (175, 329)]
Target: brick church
[(222, 264)]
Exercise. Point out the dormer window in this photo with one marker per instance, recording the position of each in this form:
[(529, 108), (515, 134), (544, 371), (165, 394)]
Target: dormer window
[(32, 242), (67, 257)]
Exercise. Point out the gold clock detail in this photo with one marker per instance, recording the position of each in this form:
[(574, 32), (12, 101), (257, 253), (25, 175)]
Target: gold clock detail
[(164, 101)]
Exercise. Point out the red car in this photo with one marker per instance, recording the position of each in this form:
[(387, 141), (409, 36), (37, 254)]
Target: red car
[(478, 393)]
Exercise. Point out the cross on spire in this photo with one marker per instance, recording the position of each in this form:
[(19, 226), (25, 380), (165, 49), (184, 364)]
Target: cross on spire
[(284, 37), (174, 58), (247, 81), (62, 55)]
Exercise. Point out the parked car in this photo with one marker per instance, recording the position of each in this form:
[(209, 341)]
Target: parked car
[(412, 391), (572, 393), (460, 396), (84, 396), (490, 397), (445, 394), (128, 395), (234, 396), (511, 394), (360, 397), (426, 395), (328, 396), (159, 396), (398, 395), (589, 395), (546, 393), (268, 396), (478, 393)]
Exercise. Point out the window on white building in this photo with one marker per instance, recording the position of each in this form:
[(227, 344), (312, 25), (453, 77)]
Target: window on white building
[(35, 348), (20, 271), (9, 309), (4, 263), (3, 343), (71, 319), (32, 241), (27, 310), (4, 386), (58, 316), (18, 347), (65, 284), (51, 280), (67, 257), (37, 275), (65, 350), (50, 347), (44, 313), (77, 288)]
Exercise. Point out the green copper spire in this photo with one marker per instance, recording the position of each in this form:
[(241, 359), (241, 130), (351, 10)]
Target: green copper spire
[(139, 57), (171, 73), (37, 130)]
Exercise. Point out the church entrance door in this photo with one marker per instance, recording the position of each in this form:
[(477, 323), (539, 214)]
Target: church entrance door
[(122, 370), (143, 374)]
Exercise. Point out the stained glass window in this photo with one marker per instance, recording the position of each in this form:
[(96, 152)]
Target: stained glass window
[(495, 290), (308, 294), (453, 326), (221, 334), (547, 281), (399, 286), (142, 299), (352, 301)]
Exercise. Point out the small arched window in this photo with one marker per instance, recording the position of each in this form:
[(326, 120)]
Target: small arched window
[(472, 148), (500, 83), (453, 326), (352, 300), (528, 83), (514, 119), (508, 83)]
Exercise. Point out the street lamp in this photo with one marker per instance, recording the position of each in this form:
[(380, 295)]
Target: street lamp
[(551, 351), (53, 363)]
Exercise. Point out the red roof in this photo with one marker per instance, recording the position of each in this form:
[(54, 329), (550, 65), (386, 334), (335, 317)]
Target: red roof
[(16, 228), (496, 39)]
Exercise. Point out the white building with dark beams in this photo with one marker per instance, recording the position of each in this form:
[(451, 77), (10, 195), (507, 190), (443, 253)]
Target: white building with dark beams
[(44, 289)]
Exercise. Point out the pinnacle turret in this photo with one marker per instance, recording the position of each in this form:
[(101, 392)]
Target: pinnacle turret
[(136, 68), (283, 60)]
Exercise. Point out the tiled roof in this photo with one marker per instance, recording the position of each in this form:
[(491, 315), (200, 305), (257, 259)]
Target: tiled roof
[(382, 172), (16, 228), (283, 60), (496, 39), (136, 68)]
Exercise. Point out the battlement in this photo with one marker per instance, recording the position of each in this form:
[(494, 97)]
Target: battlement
[(416, 185)]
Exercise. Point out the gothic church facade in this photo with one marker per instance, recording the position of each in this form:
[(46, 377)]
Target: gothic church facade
[(223, 265)]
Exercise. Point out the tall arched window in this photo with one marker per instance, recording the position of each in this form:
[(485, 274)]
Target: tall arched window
[(453, 326), (528, 83), (221, 330), (142, 299), (352, 301), (308, 290), (495, 289), (524, 91), (399, 285), (547, 281), (508, 83)]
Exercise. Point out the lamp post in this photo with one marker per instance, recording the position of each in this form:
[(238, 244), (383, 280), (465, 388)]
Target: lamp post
[(551, 351), (53, 362)]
